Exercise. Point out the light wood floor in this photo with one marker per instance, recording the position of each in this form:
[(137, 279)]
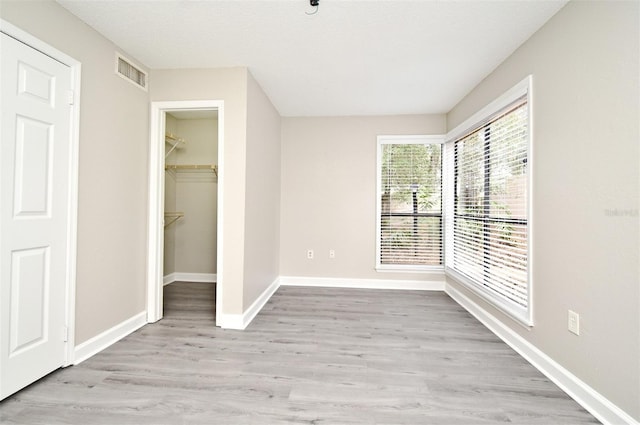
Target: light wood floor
[(312, 356)]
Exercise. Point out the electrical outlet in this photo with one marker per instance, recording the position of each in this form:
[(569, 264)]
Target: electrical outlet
[(332, 253), (574, 322), (310, 254)]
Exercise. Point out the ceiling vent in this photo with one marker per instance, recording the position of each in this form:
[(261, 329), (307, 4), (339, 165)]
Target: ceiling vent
[(130, 72)]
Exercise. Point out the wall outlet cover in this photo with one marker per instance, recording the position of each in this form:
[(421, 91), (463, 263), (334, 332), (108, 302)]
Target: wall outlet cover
[(574, 322)]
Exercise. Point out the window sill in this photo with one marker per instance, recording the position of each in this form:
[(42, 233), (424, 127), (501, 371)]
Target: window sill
[(519, 314), (409, 269)]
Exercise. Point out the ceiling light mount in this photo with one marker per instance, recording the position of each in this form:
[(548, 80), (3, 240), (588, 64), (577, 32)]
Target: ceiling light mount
[(313, 3)]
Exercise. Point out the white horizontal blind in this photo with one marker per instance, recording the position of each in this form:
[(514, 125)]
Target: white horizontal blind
[(489, 229), (410, 204)]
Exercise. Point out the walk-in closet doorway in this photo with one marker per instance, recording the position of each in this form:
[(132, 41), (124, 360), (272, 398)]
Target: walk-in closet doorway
[(185, 198)]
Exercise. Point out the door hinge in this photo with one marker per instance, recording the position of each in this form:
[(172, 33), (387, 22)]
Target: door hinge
[(65, 333), (70, 97)]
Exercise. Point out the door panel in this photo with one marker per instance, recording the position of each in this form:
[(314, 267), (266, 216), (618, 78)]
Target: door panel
[(29, 294), (32, 167), (34, 214), (36, 83)]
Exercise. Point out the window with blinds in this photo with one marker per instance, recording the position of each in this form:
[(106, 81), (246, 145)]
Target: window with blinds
[(409, 202), (487, 207)]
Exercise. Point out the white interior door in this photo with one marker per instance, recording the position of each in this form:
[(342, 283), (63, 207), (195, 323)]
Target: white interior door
[(34, 214)]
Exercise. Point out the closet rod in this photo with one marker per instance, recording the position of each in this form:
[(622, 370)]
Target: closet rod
[(171, 136), (211, 167)]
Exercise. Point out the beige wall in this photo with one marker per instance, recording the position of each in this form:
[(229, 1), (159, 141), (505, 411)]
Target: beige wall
[(201, 135), (585, 168), (262, 216), (114, 123), (230, 86), (329, 193), (585, 70), (196, 197), (251, 174)]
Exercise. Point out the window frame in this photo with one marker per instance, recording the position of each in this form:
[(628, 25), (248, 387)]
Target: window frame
[(476, 122), (402, 140)]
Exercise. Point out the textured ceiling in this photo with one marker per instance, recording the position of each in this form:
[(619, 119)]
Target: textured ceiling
[(350, 58)]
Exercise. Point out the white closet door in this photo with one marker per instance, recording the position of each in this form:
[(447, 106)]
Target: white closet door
[(34, 214)]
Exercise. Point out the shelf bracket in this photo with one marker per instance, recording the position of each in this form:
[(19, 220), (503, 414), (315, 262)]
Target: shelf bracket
[(173, 217), (170, 138)]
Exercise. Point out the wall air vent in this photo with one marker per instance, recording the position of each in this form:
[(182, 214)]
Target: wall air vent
[(130, 72)]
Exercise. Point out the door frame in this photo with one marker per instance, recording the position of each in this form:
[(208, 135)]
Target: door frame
[(75, 68), (155, 239)]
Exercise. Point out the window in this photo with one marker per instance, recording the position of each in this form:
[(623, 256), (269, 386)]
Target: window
[(487, 204), (409, 198)]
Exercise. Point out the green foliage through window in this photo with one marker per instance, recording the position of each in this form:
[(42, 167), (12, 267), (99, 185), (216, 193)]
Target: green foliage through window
[(411, 204), (489, 228)]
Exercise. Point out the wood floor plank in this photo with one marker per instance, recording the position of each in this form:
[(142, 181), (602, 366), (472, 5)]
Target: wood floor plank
[(312, 356)]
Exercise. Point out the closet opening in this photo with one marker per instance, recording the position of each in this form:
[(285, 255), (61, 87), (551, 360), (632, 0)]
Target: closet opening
[(185, 205)]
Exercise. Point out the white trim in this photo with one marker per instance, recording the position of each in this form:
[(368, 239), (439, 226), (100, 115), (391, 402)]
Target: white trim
[(72, 252), (594, 402), (480, 117), (103, 340), (220, 213), (168, 278), (230, 321), (333, 282), (390, 139), (530, 192), (241, 321), (28, 39), (402, 268), (74, 129), (516, 312), (524, 88), (155, 238), (255, 307), (189, 277)]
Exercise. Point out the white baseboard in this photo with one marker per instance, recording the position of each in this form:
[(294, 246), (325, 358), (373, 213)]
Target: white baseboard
[(595, 403), (230, 321), (333, 282), (241, 321), (189, 277), (110, 336), (169, 278)]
